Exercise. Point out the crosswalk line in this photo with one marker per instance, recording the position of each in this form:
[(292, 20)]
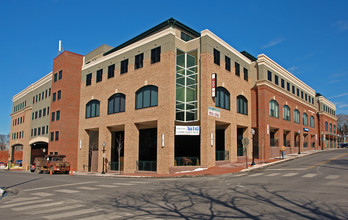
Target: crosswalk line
[(70, 214), (332, 177), (56, 209), (241, 174), (103, 216), (256, 174), (273, 174), (124, 184), (20, 200), (87, 188), (290, 174), (310, 175), (42, 194), (66, 191), (138, 182), (24, 203), (107, 186), (35, 206)]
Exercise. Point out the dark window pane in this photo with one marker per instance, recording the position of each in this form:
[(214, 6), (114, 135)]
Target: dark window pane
[(88, 79), (237, 68), (138, 63), (156, 55), (227, 63), (111, 71), (124, 66), (216, 56), (99, 75)]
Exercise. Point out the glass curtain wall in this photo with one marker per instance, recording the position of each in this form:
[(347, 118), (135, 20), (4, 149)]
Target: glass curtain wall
[(186, 86)]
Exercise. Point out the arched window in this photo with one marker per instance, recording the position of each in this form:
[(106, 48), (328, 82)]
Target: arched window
[(242, 105), (222, 99), (330, 127), (146, 96), (296, 116), (326, 126), (312, 121), (274, 109), (334, 129), (286, 113), (116, 103), (92, 109), (305, 119)]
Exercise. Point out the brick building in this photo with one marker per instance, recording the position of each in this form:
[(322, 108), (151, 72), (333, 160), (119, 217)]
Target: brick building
[(172, 97)]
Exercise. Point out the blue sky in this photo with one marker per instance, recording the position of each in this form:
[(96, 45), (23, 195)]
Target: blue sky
[(308, 38)]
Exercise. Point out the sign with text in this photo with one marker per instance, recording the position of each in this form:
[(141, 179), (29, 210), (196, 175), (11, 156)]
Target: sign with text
[(214, 112), (186, 130), (213, 85)]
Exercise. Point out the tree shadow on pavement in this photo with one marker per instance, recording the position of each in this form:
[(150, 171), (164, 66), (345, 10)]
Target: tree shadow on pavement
[(188, 202)]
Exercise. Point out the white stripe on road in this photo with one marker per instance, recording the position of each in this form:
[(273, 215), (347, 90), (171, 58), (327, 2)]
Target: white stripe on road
[(290, 174), (103, 216), (290, 169), (42, 194), (87, 188), (332, 177), (273, 174), (66, 191), (20, 200), (124, 184), (242, 174), (37, 206), (310, 175), (24, 203), (135, 182), (57, 209), (107, 186), (70, 214), (256, 174), (50, 187)]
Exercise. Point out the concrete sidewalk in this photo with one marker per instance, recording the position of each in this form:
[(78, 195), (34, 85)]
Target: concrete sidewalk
[(217, 170)]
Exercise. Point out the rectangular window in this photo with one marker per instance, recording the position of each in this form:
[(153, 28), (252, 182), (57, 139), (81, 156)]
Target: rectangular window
[(185, 37), (31, 133), (99, 75), (43, 130), (269, 75), (57, 136), (156, 54), (54, 97), (46, 129), (38, 131), (36, 98), (48, 110), (124, 66), (44, 112), (309, 99), (298, 92), (306, 96), (138, 62), (39, 97), (288, 86), (40, 111), (52, 136), (32, 117), (57, 115), (246, 74), (276, 80), (34, 131), (49, 92), (36, 115), (111, 71), (59, 94), (282, 83), (88, 79), (60, 74), (301, 94), (46, 93), (53, 116), (228, 63), (55, 77), (216, 57), (237, 69)]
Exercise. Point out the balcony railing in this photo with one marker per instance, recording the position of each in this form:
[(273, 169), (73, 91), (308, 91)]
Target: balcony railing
[(147, 165), (222, 155), (186, 161), (274, 142)]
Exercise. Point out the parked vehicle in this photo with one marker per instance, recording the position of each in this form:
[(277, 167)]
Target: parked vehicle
[(18, 163), (2, 165), (344, 145), (50, 163)]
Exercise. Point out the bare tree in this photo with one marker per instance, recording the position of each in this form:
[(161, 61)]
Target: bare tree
[(119, 146), (4, 140)]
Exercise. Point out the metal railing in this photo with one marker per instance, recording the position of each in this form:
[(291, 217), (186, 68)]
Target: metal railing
[(222, 155), (186, 161), (147, 165), (274, 142), (115, 164)]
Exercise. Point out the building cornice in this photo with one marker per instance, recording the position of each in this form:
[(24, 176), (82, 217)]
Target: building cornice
[(21, 111), (210, 34), (165, 32), (32, 87), (262, 59), (328, 115), (324, 100)]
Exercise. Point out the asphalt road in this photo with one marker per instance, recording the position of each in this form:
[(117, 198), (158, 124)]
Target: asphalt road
[(311, 187)]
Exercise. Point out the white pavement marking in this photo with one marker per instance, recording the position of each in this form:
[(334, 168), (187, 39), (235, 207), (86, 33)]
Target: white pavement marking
[(135, 182), (107, 186), (332, 177), (290, 174), (24, 203), (124, 184), (66, 191), (273, 174), (50, 187), (256, 174), (42, 194), (103, 216), (56, 209), (87, 188), (289, 169), (310, 175), (36, 206), (242, 174), (20, 200), (70, 214)]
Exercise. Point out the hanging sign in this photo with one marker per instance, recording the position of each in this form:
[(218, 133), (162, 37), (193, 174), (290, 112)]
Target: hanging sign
[(213, 84)]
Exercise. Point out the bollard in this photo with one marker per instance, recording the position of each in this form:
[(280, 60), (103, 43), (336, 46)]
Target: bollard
[(50, 171), (71, 172)]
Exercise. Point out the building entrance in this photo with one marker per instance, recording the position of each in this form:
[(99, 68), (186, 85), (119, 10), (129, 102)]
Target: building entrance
[(147, 149), (117, 151), (38, 149), (187, 150), (93, 150)]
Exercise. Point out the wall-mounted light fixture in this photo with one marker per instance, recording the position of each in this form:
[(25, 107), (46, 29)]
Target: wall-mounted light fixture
[(162, 139)]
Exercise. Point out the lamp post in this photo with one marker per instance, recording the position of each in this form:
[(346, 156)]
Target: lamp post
[(252, 143), (322, 141), (299, 141), (103, 157)]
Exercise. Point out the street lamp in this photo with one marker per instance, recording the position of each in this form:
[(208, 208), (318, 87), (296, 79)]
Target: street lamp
[(103, 157), (299, 141), (252, 143)]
